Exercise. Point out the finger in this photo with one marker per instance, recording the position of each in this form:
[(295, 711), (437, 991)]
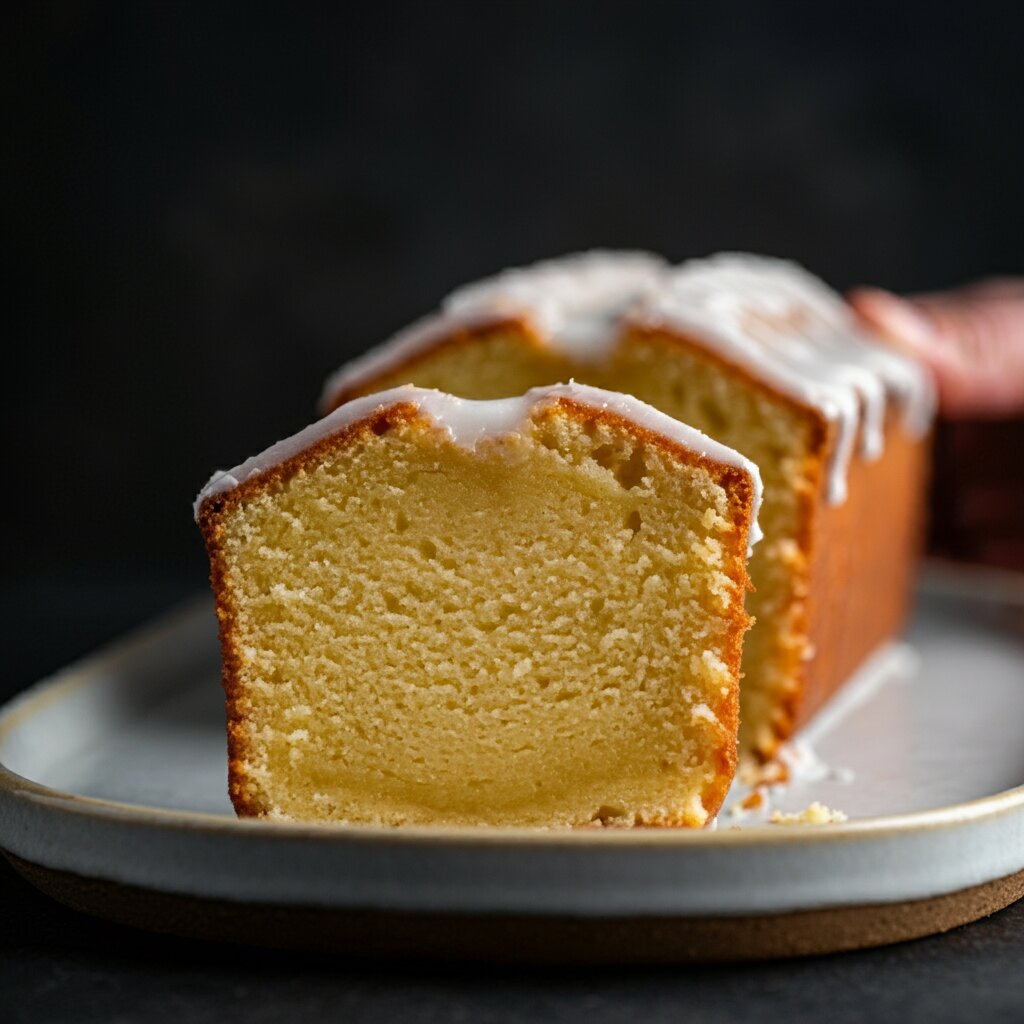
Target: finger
[(972, 341)]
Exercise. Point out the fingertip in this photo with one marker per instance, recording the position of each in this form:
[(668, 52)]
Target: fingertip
[(897, 320), (866, 294), (871, 304)]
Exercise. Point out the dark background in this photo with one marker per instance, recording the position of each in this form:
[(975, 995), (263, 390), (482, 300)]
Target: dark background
[(209, 207)]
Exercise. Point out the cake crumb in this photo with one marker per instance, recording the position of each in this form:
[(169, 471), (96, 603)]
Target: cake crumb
[(752, 801), (815, 814), (774, 773)]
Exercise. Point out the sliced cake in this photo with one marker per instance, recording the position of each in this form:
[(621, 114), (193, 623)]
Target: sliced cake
[(761, 356), (519, 612)]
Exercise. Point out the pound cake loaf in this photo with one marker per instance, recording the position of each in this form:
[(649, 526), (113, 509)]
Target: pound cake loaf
[(519, 612), (761, 356)]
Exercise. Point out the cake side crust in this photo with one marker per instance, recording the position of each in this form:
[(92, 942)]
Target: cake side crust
[(863, 554)]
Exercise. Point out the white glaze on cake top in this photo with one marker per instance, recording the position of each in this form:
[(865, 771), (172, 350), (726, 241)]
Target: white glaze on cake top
[(468, 422), (576, 303), (794, 333), (769, 316)]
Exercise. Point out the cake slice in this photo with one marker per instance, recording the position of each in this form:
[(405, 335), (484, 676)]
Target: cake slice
[(763, 357), (519, 612)]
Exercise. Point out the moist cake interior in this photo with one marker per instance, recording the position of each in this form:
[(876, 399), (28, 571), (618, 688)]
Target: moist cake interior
[(561, 617)]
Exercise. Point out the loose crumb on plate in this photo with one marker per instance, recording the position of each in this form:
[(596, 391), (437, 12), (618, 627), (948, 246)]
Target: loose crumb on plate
[(774, 773), (815, 814)]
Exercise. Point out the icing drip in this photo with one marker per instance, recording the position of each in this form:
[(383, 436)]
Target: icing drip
[(797, 335), (468, 422), (769, 316)]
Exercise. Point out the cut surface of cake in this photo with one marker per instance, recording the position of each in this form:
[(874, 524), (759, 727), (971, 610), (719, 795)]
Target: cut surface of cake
[(520, 612), (763, 357)]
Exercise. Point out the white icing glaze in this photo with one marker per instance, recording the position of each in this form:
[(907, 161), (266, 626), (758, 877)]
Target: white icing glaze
[(794, 333), (576, 303), (769, 316), (468, 422)]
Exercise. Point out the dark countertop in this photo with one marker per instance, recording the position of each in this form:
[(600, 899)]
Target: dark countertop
[(57, 965)]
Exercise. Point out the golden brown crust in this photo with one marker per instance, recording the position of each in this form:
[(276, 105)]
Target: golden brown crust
[(863, 556)]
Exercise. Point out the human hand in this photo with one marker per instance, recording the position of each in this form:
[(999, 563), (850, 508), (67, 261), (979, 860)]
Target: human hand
[(971, 338)]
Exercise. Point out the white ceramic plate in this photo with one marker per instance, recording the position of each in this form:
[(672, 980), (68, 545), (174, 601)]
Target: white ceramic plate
[(114, 772)]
